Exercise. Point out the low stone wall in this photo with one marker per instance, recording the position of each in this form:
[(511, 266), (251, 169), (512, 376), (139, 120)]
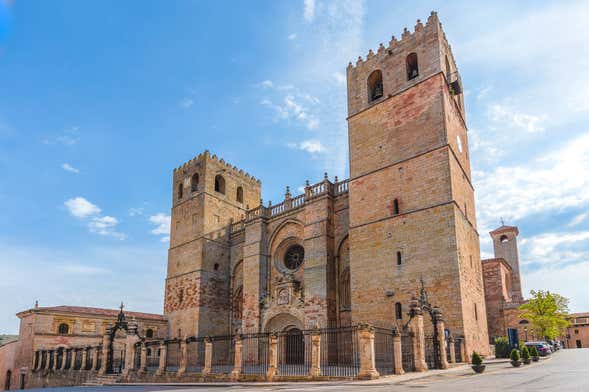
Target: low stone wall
[(58, 378)]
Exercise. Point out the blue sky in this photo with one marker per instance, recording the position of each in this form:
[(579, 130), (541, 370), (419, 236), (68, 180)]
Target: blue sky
[(99, 101)]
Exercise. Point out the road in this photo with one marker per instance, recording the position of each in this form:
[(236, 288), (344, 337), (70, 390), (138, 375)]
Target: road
[(567, 370)]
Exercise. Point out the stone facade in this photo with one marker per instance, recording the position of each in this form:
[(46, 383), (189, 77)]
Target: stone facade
[(577, 334), (407, 214), (63, 327)]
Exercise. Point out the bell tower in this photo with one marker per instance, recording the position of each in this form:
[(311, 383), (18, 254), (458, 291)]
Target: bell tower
[(505, 247), (412, 212), (208, 195)]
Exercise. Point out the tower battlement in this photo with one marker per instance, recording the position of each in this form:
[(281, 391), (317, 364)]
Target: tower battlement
[(395, 45), (206, 156)]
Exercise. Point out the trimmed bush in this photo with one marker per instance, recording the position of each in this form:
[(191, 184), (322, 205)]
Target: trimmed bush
[(476, 359), (514, 356), (525, 353), (534, 352), (501, 347)]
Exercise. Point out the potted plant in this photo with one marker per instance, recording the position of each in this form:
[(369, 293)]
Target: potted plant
[(526, 355), (477, 363), (534, 353), (515, 362)]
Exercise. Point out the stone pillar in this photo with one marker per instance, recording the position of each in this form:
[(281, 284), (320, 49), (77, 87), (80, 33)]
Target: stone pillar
[(34, 361), (463, 352), (237, 362), (397, 353), (366, 347), (315, 369), (105, 352), (206, 370), (64, 361), (74, 355), (84, 358), (272, 358), (54, 356), (163, 355), (418, 340), (131, 340), (47, 359), (452, 349), (442, 341), (143, 359), (183, 357), (94, 358)]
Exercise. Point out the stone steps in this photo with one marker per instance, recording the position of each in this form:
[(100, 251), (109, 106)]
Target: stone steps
[(101, 380)]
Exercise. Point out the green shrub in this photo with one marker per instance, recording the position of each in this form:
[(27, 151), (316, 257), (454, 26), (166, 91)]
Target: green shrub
[(476, 359), (525, 352), (501, 347), (534, 352), (514, 355)]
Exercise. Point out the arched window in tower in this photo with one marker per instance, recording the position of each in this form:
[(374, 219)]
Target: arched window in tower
[(238, 304), (412, 67), (375, 90), (503, 238), (344, 294), (398, 311), (180, 190), (219, 184), (239, 195), (63, 329), (194, 182), (149, 333)]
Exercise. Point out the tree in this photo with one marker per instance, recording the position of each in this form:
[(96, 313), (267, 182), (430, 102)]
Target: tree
[(547, 312)]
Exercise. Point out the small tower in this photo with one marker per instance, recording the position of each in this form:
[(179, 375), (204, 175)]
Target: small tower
[(505, 247), (208, 195)]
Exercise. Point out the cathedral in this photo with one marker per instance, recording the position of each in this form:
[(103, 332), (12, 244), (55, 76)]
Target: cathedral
[(345, 251)]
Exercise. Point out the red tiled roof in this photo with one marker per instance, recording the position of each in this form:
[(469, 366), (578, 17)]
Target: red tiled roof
[(100, 312)]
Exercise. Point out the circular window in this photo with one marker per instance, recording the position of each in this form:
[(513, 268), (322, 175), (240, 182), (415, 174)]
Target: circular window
[(294, 256)]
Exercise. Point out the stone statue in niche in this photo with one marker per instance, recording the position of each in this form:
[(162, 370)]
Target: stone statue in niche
[(283, 297)]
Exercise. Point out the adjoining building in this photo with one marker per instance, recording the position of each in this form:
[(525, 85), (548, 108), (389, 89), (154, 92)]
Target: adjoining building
[(577, 334)]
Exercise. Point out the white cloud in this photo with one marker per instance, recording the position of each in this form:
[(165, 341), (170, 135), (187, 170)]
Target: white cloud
[(556, 248), (69, 137), (81, 208), (551, 182), (69, 168), (309, 10), (80, 269), (528, 122), (266, 84), (577, 220), (135, 211), (186, 103), (292, 108), (292, 36), (162, 223), (85, 210), (310, 146), (339, 78)]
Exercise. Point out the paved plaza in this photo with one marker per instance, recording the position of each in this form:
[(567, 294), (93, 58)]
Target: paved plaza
[(566, 370)]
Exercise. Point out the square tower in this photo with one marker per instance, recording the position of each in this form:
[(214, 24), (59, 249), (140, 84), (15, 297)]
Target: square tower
[(412, 211), (505, 247), (208, 195)]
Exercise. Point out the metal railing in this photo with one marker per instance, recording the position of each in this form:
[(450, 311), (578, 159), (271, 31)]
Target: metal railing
[(255, 353), (340, 352), (384, 351)]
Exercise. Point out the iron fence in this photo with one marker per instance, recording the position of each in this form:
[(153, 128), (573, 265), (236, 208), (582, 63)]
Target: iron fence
[(384, 351), (457, 350), (153, 356), (294, 352), (223, 356), (339, 356), (195, 355), (173, 354), (255, 353), (407, 351)]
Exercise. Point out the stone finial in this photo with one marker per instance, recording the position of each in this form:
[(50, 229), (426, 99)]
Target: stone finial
[(336, 179), (359, 62), (350, 65), (287, 194), (393, 41), (307, 183), (418, 25), (370, 54), (37, 304), (380, 48), (433, 17), (325, 177), (406, 33)]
